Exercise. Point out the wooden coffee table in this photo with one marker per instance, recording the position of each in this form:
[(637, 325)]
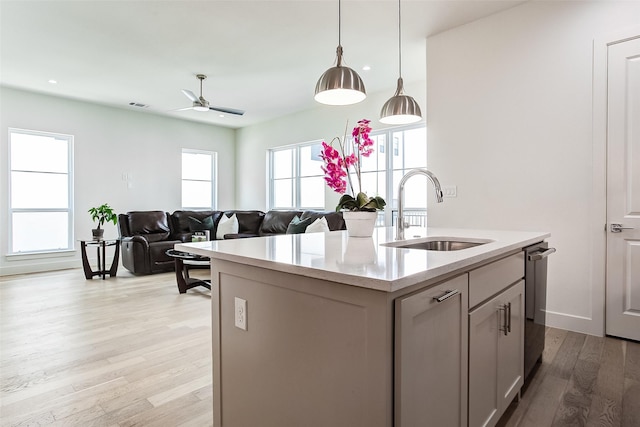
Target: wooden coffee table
[(185, 261)]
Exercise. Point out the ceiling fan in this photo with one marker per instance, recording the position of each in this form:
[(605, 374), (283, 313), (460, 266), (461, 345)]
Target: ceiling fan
[(201, 104)]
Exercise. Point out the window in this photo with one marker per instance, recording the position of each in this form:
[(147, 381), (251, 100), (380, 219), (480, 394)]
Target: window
[(397, 151), (409, 152), (41, 192), (199, 179), (296, 179)]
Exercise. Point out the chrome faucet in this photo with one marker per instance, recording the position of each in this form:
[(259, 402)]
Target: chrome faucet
[(436, 184)]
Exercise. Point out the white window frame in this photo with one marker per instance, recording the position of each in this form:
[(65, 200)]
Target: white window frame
[(385, 217), (414, 217), (214, 178), (296, 196), (70, 206), (391, 149)]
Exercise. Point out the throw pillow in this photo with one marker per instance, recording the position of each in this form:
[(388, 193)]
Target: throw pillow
[(227, 226), (319, 225), (297, 225)]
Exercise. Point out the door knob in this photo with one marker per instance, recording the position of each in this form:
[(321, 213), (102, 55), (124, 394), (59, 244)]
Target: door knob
[(617, 228)]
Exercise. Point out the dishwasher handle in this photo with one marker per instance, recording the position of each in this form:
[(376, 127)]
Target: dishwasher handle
[(537, 256)]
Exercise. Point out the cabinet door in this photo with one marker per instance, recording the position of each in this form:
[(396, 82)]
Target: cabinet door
[(484, 333), (511, 347), (496, 363), (431, 356)]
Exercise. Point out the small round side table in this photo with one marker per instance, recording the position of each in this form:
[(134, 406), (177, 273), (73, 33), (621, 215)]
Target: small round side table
[(101, 246)]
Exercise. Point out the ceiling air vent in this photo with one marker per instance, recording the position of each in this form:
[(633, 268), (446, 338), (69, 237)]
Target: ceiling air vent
[(139, 105)]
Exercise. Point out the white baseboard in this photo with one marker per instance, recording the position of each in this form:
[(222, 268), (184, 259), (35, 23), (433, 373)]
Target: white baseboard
[(575, 323), (40, 266)]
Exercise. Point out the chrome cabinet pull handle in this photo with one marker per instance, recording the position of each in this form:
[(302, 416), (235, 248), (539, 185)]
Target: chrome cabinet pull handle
[(509, 324), (505, 320), (447, 295)]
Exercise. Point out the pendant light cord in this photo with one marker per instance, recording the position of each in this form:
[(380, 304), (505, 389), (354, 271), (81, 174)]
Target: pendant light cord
[(339, 49), (339, 24), (399, 42)]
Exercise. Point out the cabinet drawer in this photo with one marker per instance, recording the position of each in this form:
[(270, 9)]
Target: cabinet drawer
[(491, 279)]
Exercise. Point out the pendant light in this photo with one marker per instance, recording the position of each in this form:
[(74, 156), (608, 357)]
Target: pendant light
[(340, 85), (400, 108)]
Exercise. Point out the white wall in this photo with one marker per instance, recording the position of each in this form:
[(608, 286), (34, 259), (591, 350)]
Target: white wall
[(109, 142), (509, 119), (321, 123)]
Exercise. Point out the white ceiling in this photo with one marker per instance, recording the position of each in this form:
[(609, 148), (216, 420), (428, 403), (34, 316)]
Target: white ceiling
[(261, 56)]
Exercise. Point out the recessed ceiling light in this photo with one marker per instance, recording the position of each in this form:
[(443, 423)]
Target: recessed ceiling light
[(366, 68), (53, 82), (220, 115)]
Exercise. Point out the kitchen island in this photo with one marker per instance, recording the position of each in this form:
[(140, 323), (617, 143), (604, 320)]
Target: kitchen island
[(326, 330)]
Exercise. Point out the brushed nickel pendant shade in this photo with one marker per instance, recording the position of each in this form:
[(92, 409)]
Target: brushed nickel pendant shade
[(400, 108), (340, 85)]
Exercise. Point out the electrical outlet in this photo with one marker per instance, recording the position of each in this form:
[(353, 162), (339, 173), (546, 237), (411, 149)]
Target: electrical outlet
[(241, 313), (450, 190)]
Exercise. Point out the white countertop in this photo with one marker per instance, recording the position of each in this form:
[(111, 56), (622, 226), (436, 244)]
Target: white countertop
[(362, 261)]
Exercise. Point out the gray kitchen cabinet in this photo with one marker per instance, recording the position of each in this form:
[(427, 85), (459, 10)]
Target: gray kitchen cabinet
[(496, 355), (431, 356), (316, 352)]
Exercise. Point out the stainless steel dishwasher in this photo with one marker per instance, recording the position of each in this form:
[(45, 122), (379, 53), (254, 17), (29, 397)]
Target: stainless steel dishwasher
[(535, 277)]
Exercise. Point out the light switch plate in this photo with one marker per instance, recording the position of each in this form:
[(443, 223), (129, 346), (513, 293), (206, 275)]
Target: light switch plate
[(450, 191)]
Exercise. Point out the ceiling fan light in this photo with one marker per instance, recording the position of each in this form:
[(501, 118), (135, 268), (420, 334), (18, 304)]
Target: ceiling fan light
[(400, 109), (340, 86)]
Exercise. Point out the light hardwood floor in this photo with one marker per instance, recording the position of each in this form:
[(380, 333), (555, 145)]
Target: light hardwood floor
[(131, 351), (126, 351)]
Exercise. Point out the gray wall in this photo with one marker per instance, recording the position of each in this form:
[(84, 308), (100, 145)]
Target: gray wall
[(110, 142)]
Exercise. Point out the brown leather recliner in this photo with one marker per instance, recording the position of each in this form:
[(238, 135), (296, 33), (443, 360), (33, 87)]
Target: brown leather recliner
[(145, 238)]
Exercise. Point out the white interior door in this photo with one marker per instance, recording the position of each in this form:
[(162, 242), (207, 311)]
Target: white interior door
[(623, 190)]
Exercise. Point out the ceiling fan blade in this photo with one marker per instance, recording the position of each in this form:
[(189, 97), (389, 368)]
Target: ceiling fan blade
[(190, 95), (228, 110)]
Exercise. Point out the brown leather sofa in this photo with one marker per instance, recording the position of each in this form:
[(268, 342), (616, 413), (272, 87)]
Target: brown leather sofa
[(249, 223), (147, 235)]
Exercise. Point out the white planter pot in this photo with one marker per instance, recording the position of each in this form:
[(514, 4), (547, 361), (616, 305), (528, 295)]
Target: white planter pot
[(360, 224)]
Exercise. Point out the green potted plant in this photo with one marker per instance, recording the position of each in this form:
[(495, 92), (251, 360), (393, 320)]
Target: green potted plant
[(102, 214)]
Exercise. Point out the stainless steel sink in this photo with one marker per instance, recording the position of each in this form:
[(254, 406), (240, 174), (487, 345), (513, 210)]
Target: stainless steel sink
[(437, 245)]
